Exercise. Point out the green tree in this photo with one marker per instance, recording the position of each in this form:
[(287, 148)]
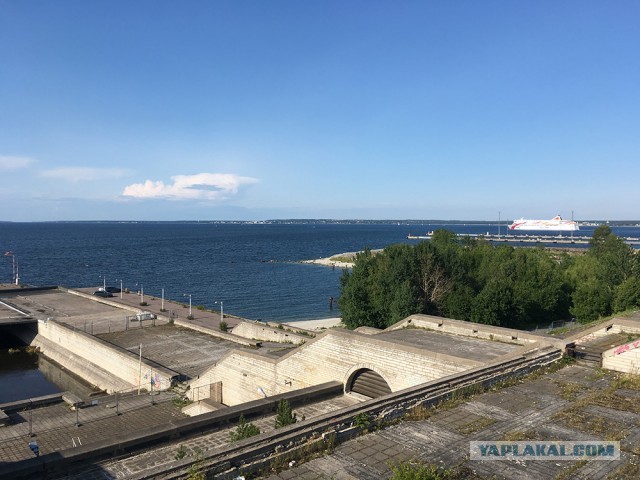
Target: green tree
[(627, 295), (356, 304), (284, 414), (591, 300), (494, 304)]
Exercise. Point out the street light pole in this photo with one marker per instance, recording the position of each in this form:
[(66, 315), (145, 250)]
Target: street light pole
[(140, 370), (188, 295), (120, 289), (141, 294), (162, 304)]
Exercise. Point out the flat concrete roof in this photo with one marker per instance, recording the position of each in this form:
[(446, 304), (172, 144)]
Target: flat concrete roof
[(61, 306), (186, 351), (455, 345)]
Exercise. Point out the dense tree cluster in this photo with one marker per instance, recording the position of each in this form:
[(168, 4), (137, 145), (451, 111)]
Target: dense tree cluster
[(497, 285)]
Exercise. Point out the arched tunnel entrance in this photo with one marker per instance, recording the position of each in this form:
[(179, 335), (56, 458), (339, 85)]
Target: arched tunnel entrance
[(368, 383)]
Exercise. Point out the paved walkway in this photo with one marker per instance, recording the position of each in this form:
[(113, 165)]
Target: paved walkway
[(55, 427), (166, 455), (575, 403)]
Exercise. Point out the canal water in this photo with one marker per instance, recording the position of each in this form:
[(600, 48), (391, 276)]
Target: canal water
[(28, 375)]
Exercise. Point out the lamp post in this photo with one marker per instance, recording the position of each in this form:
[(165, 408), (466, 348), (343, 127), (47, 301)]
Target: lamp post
[(141, 294), (221, 310), (162, 304), (188, 295), (104, 282), (120, 288)]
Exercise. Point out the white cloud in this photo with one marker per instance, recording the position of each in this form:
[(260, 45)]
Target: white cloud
[(202, 186), (9, 163), (83, 174)]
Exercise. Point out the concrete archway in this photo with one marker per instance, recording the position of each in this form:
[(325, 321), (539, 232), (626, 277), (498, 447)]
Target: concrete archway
[(367, 382)]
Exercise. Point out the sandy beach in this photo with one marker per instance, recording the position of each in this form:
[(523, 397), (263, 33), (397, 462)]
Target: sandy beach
[(332, 262)]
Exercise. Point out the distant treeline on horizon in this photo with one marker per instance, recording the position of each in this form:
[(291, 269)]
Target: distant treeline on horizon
[(329, 221)]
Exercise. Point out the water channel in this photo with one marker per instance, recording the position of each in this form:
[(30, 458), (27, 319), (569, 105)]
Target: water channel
[(26, 375)]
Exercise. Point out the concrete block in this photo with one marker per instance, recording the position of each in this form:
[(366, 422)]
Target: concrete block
[(72, 399), (4, 419)]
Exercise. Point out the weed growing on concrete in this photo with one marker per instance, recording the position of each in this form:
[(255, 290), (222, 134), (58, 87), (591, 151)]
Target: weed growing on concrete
[(189, 317), (570, 391), (568, 472), (521, 435), (196, 470), (417, 470), (597, 374), (628, 471), (223, 326), (181, 402), (244, 430), (418, 412), (314, 448), (362, 420), (181, 453), (201, 308), (630, 382), (476, 425), (143, 304)]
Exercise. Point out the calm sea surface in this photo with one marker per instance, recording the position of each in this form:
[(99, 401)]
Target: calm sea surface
[(253, 268)]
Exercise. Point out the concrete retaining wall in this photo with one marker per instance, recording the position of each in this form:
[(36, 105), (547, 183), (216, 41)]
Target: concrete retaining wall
[(470, 329), (215, 333), (335, 355), (107, 366), (614, 325), (624, 358), (264, 333)]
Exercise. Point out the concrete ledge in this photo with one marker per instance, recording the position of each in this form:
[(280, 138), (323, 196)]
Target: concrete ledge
[(4, 418), (72, 399), (31, 402), (266, 333), (28, 289), (217, 333)]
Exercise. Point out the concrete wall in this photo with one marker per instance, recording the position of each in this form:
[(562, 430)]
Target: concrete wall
[(470, 329), (214, 332), (335, 355), (107, 366), (614, 325), (624, 358), (264, 333)]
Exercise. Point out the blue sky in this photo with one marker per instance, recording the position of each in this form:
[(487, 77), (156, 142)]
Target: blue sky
[(252, 110)]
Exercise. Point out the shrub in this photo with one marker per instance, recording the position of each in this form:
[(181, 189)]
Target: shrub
[(223, 326), (284, 414), (244, 430), (362, 420)]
